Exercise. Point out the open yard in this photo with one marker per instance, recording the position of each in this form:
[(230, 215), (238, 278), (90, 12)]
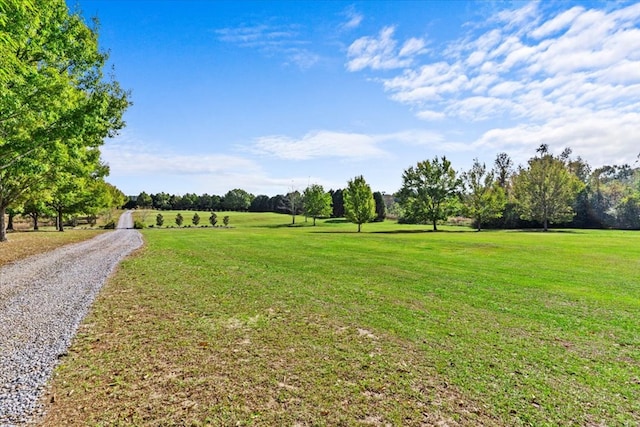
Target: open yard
[(264, 324)]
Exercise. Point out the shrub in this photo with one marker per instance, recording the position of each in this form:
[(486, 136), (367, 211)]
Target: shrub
[(213, 219), (179, 220), (159, 220), (138, 225), (196, 219), (225, 220), (110, 225)]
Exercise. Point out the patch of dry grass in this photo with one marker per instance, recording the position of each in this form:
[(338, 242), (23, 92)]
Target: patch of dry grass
[(26, 243), (143, 357)]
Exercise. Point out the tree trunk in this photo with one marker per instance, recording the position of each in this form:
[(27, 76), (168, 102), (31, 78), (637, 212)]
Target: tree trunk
[(10, 223), (314, 221), (359, 227), (546, 227), (60, 226), (435, 227), (3, 232), (35, 221)]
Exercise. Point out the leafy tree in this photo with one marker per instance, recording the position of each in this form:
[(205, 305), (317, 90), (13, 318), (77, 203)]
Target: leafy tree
[(76, 182), (237, 200), (294, 201), (225, 220), (485, 198), (161, 201), (260, 204), (359, 205), (159, 220), (316, 202), (35, 208), (175, 201), (179, 220), (52, 93), (429, 191), (144, 201), (279, 204), (628, 212), (381, 209), (337, 201), (504, 169), (213, 219), (196, 219), (546, 189)]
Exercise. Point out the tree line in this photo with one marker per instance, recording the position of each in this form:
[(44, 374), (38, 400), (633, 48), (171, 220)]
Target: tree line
[(56, 109), (549, 189)]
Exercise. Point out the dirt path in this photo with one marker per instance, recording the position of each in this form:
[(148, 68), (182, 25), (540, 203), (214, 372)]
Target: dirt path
[(43, 299)]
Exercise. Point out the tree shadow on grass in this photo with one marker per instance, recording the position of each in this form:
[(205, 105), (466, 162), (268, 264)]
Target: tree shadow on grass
[(336, 221), (541, 230), (284, 226)]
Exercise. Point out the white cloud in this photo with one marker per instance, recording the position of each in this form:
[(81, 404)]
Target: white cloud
[(342, 145), (127, 156), (431, 115), (354, 19), (319, 144), (560, 22), (285, 41), (381, 52), (569, 77), (413, 46)]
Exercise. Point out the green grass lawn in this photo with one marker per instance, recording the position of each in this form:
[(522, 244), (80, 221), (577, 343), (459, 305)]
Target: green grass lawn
[(265, 324)]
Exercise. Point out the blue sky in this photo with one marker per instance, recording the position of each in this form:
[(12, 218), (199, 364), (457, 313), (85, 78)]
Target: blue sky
[(268, 96)]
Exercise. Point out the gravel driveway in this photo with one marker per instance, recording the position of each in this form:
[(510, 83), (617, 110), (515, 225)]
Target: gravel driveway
[(42, 302)]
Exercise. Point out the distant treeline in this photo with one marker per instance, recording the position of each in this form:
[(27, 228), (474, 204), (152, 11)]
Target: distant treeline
[(235, 200), (550, 189)]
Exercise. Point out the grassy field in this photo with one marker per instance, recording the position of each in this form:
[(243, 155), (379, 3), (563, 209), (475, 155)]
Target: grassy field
[(265, 324)]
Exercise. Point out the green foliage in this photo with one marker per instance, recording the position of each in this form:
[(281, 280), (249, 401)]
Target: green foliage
[(237, 200), (213, 219), (110, 225), (381, 209), (138, 225), (546, 189), (179, 220), (430, 191), (316, 202), (144, 201), (196, 219), (337, 201), (628, 212), (159, 220), (225, 220), (53, 97), (359, 205), (485, 198)]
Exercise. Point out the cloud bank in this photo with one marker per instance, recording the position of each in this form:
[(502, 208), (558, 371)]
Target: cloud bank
[(527, 76)]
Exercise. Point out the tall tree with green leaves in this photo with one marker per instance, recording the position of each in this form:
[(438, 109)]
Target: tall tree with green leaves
[(430, 191), (381, 208), (545, 190), (293, 204), (484, 199), (237, 200), (359, 206), (316, 202), (52, 92)]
